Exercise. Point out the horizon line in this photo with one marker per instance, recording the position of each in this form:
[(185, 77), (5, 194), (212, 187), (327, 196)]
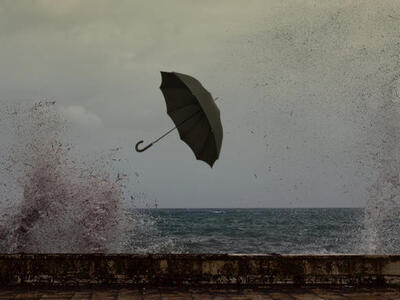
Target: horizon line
[(308, 207)]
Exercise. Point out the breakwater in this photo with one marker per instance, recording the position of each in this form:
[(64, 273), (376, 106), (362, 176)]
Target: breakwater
[(198, 270)]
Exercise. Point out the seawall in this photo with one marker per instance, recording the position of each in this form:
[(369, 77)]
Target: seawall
[(198, 270)]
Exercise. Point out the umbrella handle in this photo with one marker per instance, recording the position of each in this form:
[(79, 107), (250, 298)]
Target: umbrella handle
[(164, 135), (144, 149)]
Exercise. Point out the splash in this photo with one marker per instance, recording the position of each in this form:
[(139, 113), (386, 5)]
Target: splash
[(382, 213), (53, 201)]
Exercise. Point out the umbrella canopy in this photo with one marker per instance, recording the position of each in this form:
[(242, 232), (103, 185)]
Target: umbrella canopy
[(195, 114)]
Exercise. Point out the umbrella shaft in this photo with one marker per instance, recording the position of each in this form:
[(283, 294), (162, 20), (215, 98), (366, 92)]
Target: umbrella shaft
[(177, 126)]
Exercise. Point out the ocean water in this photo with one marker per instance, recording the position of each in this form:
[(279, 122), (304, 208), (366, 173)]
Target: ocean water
[(280, 230)]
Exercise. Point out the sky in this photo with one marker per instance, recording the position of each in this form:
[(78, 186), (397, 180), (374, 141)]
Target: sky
[(299, 83)]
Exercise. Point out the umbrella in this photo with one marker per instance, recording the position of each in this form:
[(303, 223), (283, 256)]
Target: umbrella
[(195, 114)]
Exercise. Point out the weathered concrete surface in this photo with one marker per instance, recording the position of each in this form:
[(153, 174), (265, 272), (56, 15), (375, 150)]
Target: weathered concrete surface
[(205, 294), (199, 270)]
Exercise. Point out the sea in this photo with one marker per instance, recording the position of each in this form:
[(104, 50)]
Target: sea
[(259, 230)]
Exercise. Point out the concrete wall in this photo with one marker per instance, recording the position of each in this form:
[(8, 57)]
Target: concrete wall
[(182, 269)]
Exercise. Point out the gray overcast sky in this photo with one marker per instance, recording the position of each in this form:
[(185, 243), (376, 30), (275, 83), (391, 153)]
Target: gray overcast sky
[(299, 84)]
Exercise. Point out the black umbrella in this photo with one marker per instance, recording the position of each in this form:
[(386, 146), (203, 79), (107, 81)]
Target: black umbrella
[(195, 114)]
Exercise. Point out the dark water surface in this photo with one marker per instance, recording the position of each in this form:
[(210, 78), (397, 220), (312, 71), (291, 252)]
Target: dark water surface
[(314, 230)]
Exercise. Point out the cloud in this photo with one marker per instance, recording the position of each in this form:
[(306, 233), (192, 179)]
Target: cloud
[(78, 114)]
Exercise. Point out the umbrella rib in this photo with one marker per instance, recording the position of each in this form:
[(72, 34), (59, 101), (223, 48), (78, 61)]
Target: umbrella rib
[(172, 129), (205, 144), (191, 128), (182, 107)]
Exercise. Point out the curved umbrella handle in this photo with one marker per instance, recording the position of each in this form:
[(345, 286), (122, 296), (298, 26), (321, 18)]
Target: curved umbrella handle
[(144, 149)]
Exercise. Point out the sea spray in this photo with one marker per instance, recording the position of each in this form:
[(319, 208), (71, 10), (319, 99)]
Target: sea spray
[(382, 212), (329, 111), (54, 201)]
